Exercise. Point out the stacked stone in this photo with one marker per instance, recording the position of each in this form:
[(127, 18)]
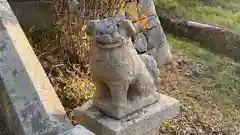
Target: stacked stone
[(150, 40)]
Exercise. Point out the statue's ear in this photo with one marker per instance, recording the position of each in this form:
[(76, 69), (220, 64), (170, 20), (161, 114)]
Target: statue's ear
[(130, 29)]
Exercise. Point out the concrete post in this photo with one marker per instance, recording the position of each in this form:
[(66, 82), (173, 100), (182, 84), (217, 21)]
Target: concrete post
[(28, 101)]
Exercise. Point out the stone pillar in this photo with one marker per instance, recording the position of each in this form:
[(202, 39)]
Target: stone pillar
[(28, 102), (33, 14), (126, 101)]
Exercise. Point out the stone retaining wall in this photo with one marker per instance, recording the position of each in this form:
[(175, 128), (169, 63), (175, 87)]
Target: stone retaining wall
[(217, 39)]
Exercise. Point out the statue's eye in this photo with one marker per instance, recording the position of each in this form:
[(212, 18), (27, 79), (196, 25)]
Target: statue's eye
[(118, 25)]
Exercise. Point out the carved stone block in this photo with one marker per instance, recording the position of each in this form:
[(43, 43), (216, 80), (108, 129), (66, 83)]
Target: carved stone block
[(77, 130), (140, 43), (145, 122)]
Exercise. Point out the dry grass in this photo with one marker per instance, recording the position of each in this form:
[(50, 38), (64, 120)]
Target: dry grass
[(178, 81), (63, 53), (208, 87), (70, 24)]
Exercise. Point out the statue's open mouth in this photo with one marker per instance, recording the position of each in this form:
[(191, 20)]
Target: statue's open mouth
[(110, 44)]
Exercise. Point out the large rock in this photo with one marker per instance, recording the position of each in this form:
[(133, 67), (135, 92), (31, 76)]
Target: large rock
[(140, 43), (151, 66), (161, 54)]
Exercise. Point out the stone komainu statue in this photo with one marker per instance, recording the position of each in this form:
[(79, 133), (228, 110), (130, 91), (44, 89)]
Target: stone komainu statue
[(123, 81)]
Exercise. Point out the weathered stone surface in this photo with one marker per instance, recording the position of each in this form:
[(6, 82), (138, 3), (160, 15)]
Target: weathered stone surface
[(123, 82), (28, 102), (155, 35), (144, 122), (121, 14), (77, 130), (131, 11), (158, 46), (140, 43), (151, 66), (161, 54), (156, 41), (34, 15), (147, 7)]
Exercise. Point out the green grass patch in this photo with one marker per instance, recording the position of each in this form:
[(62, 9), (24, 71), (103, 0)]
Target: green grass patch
[(211, 101), (224, 72), (221, 12)]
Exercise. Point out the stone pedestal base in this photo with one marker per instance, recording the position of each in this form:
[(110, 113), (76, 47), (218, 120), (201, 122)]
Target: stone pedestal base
[(144, 122), (77, 130), (107, 108)]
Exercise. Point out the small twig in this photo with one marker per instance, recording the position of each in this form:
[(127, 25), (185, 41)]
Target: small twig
[(61, 74), (186, 118), (58, 65)]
